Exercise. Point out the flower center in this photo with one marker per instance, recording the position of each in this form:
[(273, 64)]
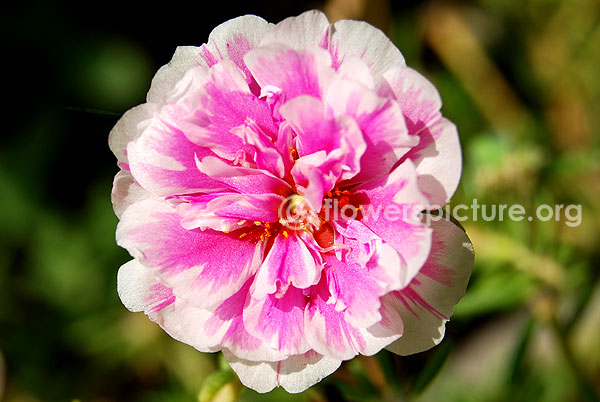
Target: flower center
[(296, 214)]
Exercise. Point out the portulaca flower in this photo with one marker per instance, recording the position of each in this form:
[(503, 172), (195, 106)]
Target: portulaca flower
[(270, 194)]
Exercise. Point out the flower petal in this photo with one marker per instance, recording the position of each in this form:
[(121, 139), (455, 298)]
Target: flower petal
[(381, 122), (198, 265), (162, 159), (390, 208), (232, 40), (308, 29), (427, 303), (127, 129), (438, 155), (126, 191), (278, 319), (167, 77), (330, 334), (228, 211), (358, 38), (242, 179), (294, 72), (266, 155), (216, 102), (289, 262), (226, 327), (140, 290), (295, 374), (354, 290)]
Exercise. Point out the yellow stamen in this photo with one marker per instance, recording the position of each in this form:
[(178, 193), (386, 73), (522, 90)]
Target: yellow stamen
[(285, 234)]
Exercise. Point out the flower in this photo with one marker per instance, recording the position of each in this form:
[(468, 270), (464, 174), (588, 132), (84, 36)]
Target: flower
[(270, 194)]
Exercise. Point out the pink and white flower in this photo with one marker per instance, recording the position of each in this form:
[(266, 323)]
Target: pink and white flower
[(299, 117)]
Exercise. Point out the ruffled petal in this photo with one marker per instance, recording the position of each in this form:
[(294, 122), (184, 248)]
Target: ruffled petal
[(309, 29), (140, 290), (390, 207), (289, 262), (293, 72), (438, 156), (427, 303), (229, 211), (266, 154), (232, 40), (381, 122), (168, 76), (358, 38), (126, 191), (127, 129), (294, 374), (278, 320), (330, 334), (226, 329), (353, 290), (216, 102), (242, 179), (163, 160), (202, 267)]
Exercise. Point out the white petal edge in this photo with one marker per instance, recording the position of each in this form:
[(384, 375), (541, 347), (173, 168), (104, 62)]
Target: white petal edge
[(126, 191), (251, 27), (358, 38), (165, 79), (440, 168), (305, 30), (295, 374), (126, 129), (133, 282), (422, 329)]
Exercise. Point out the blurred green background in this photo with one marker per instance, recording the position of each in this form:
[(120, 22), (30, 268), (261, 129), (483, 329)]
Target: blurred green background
[(520, 80)]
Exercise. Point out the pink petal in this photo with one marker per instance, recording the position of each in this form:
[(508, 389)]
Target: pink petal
[(330, 334), (438, 155), (314, 175), (266, 155), (203, 267), (295, 374), (232, 40), (162, 160), (438, 160), (355, 70), (427, 303), (140, 290), (289, 262), (390, 208), (242, 179), (278, 319), (217, 102), (294, 72), (227, 321), (227, 211), (381, 122), (354, 290)]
